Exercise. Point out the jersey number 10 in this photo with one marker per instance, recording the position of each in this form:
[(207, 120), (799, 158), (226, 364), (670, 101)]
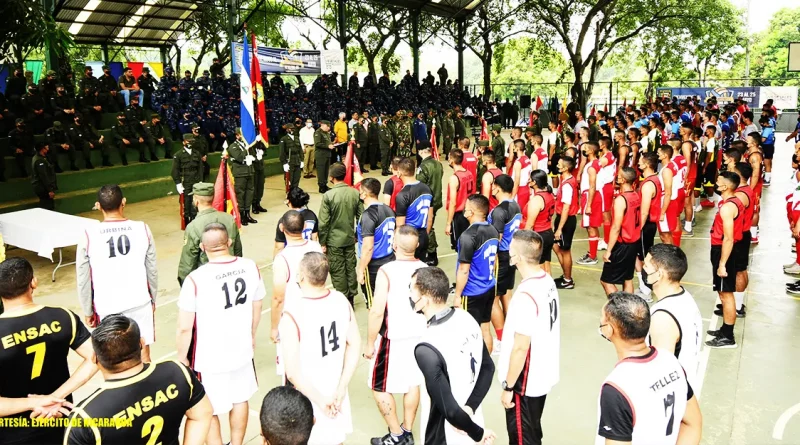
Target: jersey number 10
[(123, 246)]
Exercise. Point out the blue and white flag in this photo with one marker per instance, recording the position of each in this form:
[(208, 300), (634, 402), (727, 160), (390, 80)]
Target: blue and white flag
[(246, 88)]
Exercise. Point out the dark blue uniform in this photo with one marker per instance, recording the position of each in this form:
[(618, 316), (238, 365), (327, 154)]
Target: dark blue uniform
[(310, 227), (377, 221), (505, 218), (413, 202), (477, 247)]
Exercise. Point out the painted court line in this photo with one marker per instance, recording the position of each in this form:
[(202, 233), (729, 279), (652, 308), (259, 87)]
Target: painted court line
[(780, 425)]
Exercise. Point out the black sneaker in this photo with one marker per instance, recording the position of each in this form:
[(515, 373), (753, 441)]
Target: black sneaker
[(563, 283), (721, 343), (740, 313), (793, 290), (714, 332), (388, 440)]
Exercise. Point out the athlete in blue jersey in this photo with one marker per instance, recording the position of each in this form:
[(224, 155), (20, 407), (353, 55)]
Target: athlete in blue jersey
[(475, 273), (506, 218), (375, 232), (768, 146), (413, 205), (298, 200)]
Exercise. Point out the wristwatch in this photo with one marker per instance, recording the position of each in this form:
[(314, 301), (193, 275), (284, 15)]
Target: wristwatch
[(506, 387)]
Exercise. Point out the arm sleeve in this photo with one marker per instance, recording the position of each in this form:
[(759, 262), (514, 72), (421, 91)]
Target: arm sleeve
[(616, 415), (483, 382), (176, 171), (388, 187), (316, 223), (466, 248), (237, 242), (198, 391), (498, 219), (84, 277), (150, 266), (189, 256), (323, 221), (81, 333), (438, 385), (401, 204), (368, 224)]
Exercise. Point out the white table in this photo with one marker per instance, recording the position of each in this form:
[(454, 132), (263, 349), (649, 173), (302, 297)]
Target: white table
[(43, 231)]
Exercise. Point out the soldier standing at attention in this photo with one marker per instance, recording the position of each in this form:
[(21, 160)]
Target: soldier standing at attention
[(460, 129), (448, 132), (385, 141), (362, 143), (241, 162), (258, 177), (430, 173), (291, 156), (307, 141), (43, 178), (341, 208), (373, 136), (187, 170), (200, 144), (498, 146), (192, 256), (323, 148)]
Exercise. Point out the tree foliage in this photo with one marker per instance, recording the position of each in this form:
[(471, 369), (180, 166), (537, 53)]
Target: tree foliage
[(714, 37), (770, 49), (526, 60), (27, 26)]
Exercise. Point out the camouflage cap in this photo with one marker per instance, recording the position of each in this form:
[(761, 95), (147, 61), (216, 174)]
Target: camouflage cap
[(51, 73), (483, 143), (203, 189)]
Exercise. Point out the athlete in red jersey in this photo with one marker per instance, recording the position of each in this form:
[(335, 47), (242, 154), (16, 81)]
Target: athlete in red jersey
[(725, 230), (538, 214), (591, 204), (741, 249), (459, 187), (619, 260), (565, 222), (470, 162), (521, 173), (650, 198), (608, 173), (755, 157), (668, 219), (488, 177)]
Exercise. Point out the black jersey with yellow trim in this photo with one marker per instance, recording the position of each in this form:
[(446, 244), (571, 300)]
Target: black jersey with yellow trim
[(34, 346), (147, 407)]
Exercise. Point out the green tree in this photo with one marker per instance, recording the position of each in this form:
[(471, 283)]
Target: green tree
[(714, 37), (526, 60), (770, 49), (28, 27)]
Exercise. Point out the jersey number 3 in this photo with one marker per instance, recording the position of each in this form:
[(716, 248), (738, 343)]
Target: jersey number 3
[(332, 339)]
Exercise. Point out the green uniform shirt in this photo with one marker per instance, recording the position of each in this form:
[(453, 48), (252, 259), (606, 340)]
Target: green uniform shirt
[(340, 210), (322, 139), (291, 151), (187, 169), (384, 137), (430, 173), (237, 152), (499, 149), (158, 131), (200, 144), (192, 256), (127, 131)]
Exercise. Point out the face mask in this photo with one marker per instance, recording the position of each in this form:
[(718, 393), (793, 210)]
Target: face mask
[(413, 306), (309, 125), (646, 279), (600, 331)]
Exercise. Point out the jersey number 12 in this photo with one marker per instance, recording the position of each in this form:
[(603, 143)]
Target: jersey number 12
[(241, 297)]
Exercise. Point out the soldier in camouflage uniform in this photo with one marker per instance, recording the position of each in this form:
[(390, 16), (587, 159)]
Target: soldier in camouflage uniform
[(386, 142), (160, 135), (241, 162), (291, 155), (404, 136), (430, 173), (187, 170), (498, 146)]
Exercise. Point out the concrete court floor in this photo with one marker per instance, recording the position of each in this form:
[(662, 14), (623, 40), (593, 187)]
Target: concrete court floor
[(748, 395)]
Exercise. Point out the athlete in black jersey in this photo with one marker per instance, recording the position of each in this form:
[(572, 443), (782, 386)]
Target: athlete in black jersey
[(414, 205), (374, 234), (298, 200), (35, 342), (150, 399)]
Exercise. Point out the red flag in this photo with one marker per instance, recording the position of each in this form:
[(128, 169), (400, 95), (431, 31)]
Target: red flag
[(539, 102), (592, 111), (136, 67), (224, 193), (434, 149), (258, 90), (180, 211), (484, 132), (625, 102), (352, 174), (605, 108), (530, 117)]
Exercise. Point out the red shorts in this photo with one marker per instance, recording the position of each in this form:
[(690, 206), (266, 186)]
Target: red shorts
[(790, 213), (608, 196), (757, 203), (670, 223), (595, 219), (691, 178)]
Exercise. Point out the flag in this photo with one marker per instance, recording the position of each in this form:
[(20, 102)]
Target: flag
[(592, 110), (605, 108), (434, 149), (352, 176), (625, 102), (246, 97), (224, 194), (634, 101), (261, 112), (564, 105), (484, 132), (182, 203), (539, 102)]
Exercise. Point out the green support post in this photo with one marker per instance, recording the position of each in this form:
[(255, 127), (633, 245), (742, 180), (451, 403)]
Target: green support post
[(462, 29), (415, 42), (342, 28)]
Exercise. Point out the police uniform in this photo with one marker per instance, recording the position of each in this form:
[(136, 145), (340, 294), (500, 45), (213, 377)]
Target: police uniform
[(192, 256), (506, 219), (322, 155), (385, 143), (187, 170), (241, 163), (379, 222), (43, 180), (414, 202), (341, 207), (291, 156), (83, 133), (430, 173), (477, 247), (127, 130)]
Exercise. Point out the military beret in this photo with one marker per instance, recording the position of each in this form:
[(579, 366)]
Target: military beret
[(325, 122), (483, 143), (57, 124), (288, 125), (203, 189), (188, 137), (146, 70)]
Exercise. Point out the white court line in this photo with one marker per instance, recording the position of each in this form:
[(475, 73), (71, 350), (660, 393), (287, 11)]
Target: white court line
[(780, 425), (265, 266), (167, 302), (166, 356)]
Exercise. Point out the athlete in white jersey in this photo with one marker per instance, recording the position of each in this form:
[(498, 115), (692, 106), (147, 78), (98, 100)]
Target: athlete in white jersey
[(393, 330), (116, 268), (321, 343), (646, 399), (529, 358), (284, 272), (675, 321), (455, 363), (220, 307)]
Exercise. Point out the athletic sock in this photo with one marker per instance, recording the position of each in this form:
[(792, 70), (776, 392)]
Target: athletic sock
[(754, 231), (404, 429), (593, 247), (676, 237), (739, 297), (643, 287), (499, 333), (767, 176), (727, 331), (606, 231), (797, 255), (687, 226), (396, 437)]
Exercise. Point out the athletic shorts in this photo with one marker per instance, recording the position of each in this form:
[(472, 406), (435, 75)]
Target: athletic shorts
[(647, 239), (524, 420), (670, 222), (547, 245), (554, 165), (422, 248), (769, 150), (621, 267), (565, 243), (372, 275), (225, 389), (460, 224), (144, 316), (757, 203), (741, 250), (479, 306), (607, 193), (710, 176), (595, 219), (720, 284), (691, 179), (506, 274), (326, 430), (393, 368)]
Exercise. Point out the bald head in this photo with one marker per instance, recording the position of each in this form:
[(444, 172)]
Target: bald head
[(406, 240), (215, 238)]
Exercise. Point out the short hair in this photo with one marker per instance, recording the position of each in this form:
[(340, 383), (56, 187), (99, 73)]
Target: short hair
[(747, 115), (712, 128), (314, 267), (651, 159), (372, 186), (505, 183), (396, 162), (297, 197), (457, 156), (530, 244), (407, 167), (16, 275), (744, 170), (630, 315), (110, 197), (732, 178), (568, 160), (756, 137), (433, 283), (538, 138), (116, 341), (488, 156), (480, 203), (287, 416), (671, 259), (337, 171), (736, 155), (592, 146), (406, 231), (739, 145), (667, 149), (292, 222), (636, 132), (605, 140), (629, 175)]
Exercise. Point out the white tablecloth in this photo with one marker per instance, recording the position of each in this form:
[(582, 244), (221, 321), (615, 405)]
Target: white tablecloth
[(42, 231)]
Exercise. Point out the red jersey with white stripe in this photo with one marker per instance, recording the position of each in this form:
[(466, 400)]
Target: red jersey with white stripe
[(631, 230), (541, 159), (397, 185), (567, 191), (716, 228), (655, 203), (595, 165), (523, 191), (678, 168), (609, 172), (466, 187), (470, 163), (747, 221), (495, 173), (544, 219)]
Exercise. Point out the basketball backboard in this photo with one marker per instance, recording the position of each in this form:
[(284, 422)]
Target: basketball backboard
[(794, 57)]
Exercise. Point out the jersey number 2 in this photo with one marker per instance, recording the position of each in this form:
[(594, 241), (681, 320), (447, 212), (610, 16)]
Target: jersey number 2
[(332, 339), (241, 297), (123, 246)]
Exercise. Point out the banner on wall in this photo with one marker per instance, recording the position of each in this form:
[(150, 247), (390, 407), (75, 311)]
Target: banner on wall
[(783, 97), (292, 61)]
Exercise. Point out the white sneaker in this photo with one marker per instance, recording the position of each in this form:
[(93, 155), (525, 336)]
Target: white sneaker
[(698, 208), (646, 297), (786, 266), (601, 245), (496, 347), (794, 269)]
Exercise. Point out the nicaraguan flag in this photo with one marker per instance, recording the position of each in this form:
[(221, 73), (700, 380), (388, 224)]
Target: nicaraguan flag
[(246, 87)]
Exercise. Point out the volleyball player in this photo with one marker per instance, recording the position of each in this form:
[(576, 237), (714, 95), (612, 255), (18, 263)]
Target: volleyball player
[(490, 173), (626, 230), (297, 199), (539, 214), (591, 200), (650, 195), (287, 417), (566, 208), (607, 177), (414, 205), (755, 157), (393, 185), (521, 173), (459, 186), (374, 232)]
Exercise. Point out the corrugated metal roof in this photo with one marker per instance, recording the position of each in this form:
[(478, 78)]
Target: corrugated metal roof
[(452, 9), (124, 22)]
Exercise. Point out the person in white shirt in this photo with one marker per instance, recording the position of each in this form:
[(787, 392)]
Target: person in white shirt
[(393, 330), (307, 142), (116, 268), (581, 122), (321, 343), (675, 321), (529, 358), (646, 399), (220, 308)]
